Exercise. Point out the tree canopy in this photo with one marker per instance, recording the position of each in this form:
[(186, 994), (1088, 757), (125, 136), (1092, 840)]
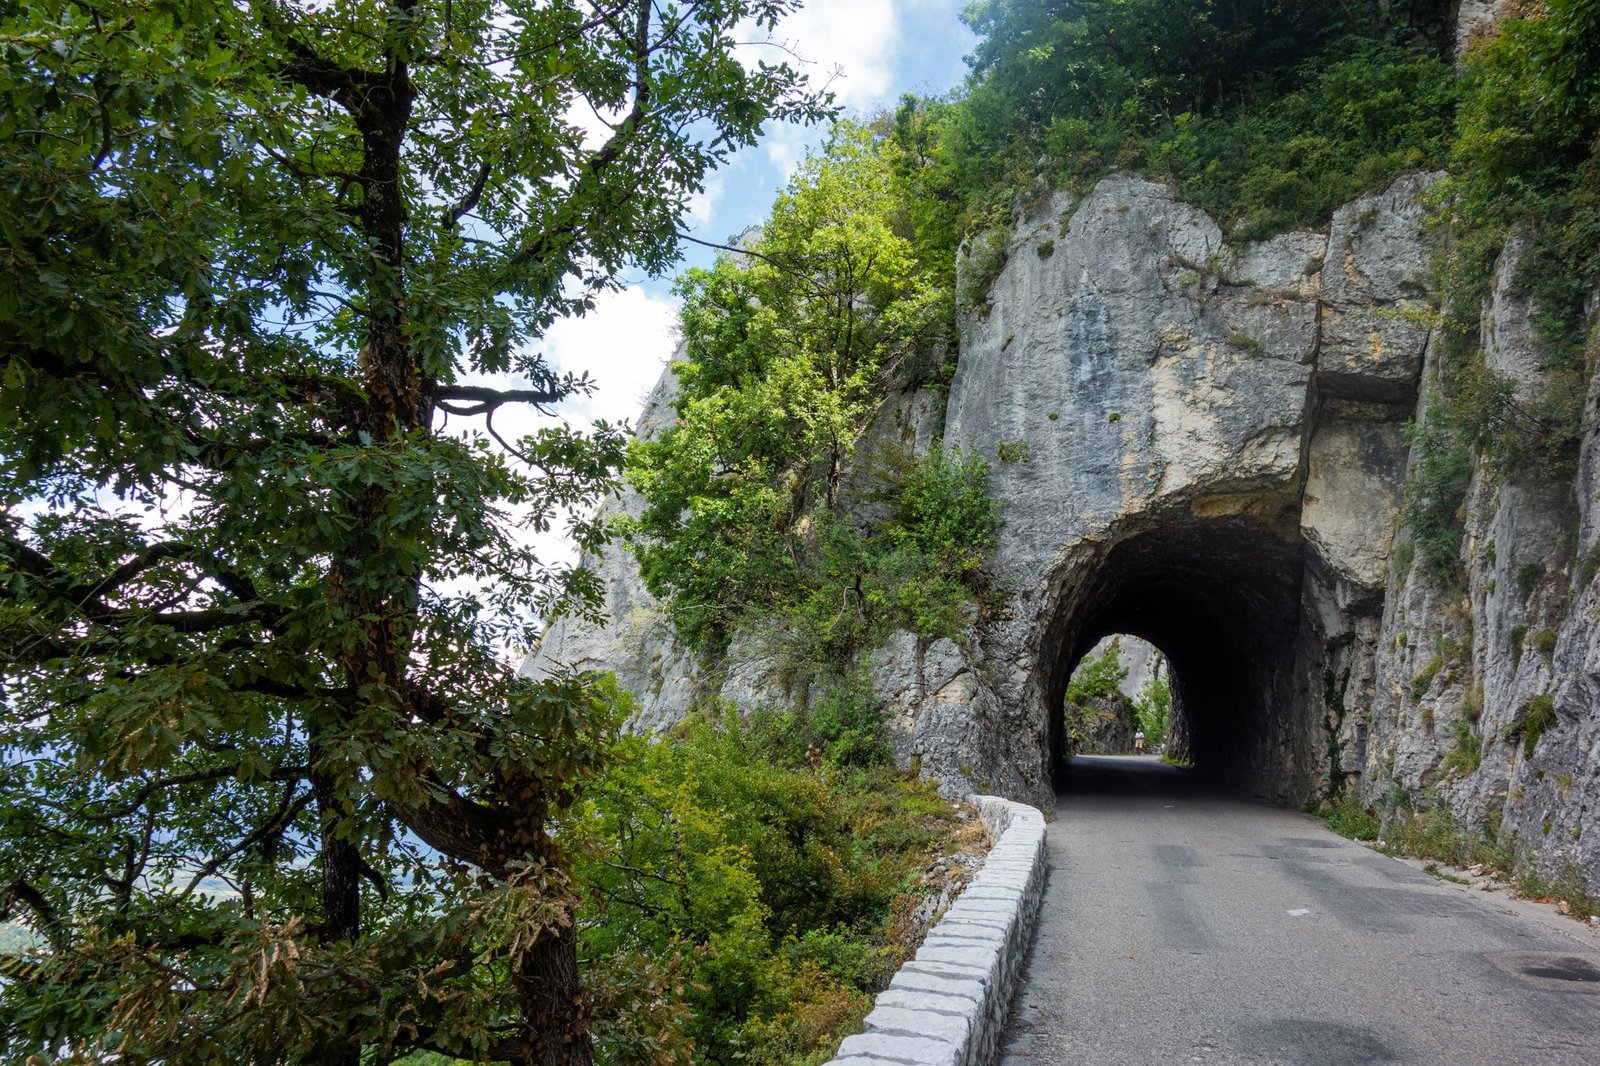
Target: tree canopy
[(269, 795)]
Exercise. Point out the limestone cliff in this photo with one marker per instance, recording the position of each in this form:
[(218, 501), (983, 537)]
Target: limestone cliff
[(1192, 443), (1203, 445), (1490, 695)]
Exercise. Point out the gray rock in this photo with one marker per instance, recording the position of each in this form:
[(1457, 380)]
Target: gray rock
[(1201, 446)]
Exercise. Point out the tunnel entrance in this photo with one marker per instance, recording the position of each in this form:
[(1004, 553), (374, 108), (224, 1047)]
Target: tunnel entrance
[(1220, 597)]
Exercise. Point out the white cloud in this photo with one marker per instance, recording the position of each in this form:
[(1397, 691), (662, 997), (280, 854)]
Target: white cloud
[(623, 344), (847, 45), (703, 204), (786, 146)]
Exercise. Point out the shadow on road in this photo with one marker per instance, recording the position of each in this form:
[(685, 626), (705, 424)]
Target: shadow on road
[(1131, 777)]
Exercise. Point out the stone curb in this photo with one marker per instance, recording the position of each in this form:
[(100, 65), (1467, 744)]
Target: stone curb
[(948, 1005)]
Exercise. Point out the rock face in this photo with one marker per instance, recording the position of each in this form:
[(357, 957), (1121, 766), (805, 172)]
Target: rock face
[(1463, 675), (635, 639), (1201, 445), (1171, 459)]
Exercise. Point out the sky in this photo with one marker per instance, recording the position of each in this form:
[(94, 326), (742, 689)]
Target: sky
[(869, 52)]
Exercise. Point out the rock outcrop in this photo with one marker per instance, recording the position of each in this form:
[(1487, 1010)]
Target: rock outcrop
[(1488, 695), (1193, 443), (1203, 445)]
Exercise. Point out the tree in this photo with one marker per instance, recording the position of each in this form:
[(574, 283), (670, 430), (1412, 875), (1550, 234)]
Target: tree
[(788, 347), (268, 794), (1100, 676), (1153, 707)]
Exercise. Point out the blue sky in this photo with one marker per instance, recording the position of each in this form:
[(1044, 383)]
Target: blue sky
[(869, 52)]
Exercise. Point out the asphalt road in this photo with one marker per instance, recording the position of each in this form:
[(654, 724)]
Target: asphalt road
[(1185, 926)]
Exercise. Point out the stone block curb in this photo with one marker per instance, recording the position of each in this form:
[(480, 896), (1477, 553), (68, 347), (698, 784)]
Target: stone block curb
[(948, 1005)]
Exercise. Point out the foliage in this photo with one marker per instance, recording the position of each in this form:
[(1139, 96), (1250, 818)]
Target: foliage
[(268, 791), (1346, 816), (841, 726), (1423, 681), (1152, 709), (1467, 755), (1100, 676), (1353, 125), (1436, 492), (1543, 641), (1525, 183), (1268, 114), (1531, 723), (768, 889), (1427, 830), (917, 569), (787, 348)]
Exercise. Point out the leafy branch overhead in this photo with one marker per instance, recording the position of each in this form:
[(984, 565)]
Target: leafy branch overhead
[(269, 793)]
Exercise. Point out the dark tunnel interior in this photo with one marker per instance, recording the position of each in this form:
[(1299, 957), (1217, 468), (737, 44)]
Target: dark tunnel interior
[(1219, 596)]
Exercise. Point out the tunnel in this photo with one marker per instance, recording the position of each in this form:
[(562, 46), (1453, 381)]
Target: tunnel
[(1220, 597)]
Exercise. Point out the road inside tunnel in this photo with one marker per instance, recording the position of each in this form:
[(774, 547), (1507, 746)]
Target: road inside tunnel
[(1186, 923), (1220, 597)]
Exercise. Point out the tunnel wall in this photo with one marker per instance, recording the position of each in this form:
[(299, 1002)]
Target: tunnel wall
[(1212, 461)]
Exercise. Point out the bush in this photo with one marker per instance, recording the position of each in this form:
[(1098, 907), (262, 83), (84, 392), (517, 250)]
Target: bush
[(739, 902), (1153, 709), (1346, 816), (1100, 676), (1467, 755)]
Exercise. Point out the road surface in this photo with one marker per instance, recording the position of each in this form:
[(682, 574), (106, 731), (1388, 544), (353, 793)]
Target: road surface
[(1182, 925)]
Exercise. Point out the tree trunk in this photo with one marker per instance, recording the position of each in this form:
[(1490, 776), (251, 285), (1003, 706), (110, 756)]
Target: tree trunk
[(555, 1019)]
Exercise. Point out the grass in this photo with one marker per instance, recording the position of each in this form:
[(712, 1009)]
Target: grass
[(1429, 832)]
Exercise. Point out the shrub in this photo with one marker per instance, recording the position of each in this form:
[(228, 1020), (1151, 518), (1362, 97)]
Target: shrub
[(738, 902), (1435, 492), (1467, 755), (1346, 816), (1423, 681), (1153, 709), (1100, 676)]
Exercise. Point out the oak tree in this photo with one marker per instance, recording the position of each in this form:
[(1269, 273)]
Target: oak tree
[(268, 794)]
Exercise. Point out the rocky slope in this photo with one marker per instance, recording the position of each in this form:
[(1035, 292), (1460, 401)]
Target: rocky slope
[(1488, 696)]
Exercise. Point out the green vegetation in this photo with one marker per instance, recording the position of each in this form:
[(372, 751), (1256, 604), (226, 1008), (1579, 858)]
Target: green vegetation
[(1267, 113), (1523, 167), (747, 899), (1094, 696), (1423, 681), (788, 352), (1532, 722), (1346, 816), (1152, 709), (1423, 828), (269, 793), (1436, 493), (1467, 755), (1098, 677)]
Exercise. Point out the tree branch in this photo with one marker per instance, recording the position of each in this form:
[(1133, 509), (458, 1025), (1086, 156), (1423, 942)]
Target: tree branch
[(489, 399), (474, 194)]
